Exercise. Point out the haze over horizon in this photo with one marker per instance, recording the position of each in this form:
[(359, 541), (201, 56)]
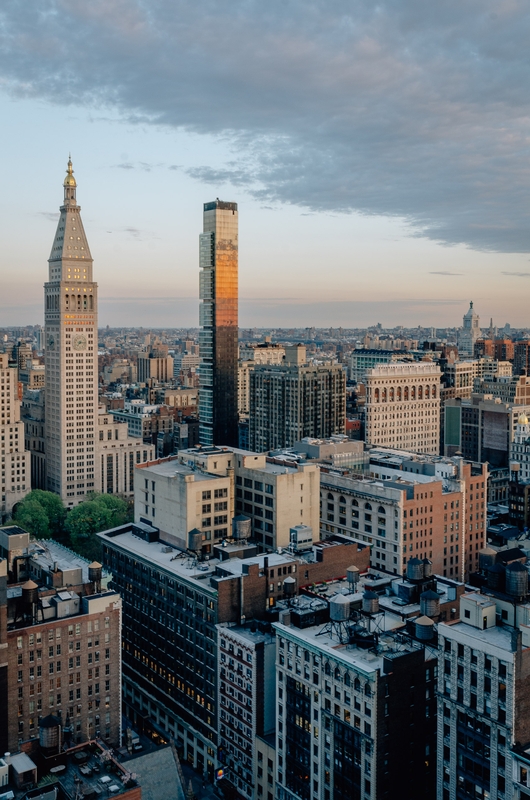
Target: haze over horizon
[(379, 156)]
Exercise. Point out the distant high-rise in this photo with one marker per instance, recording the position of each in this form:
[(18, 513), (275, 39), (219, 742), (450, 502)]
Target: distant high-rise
[(71, 357), (470, 333), (219, 323), (295, 400)]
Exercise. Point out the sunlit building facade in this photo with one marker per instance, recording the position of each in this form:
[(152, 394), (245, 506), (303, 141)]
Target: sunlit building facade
[(219, 324)]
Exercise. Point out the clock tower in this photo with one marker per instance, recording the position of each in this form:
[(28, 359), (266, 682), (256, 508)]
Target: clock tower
[(71, 357)]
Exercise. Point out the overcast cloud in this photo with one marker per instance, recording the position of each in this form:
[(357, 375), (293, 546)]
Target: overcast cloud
[(402, 107)]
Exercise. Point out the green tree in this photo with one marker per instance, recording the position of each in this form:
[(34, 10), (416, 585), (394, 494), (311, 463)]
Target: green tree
[(54, 508), (120, 508), (31, 516), (42, 514), (83, 522)]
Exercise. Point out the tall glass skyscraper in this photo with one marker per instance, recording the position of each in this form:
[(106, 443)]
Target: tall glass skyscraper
[(219, 325)]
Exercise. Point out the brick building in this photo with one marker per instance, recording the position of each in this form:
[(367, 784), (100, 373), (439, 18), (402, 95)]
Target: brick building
[(59, 643), (411, 505)]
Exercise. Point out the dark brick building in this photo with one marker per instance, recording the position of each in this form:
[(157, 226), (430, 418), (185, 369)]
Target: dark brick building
[(172, 605), (59, 646)]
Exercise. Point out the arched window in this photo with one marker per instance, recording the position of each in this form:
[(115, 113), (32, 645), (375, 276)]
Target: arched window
[(327, 668), (406, 393), (399, 392), (376, 395), (347, 679), (354, 502), (420, 392), (367, 690), (383, 395), (357, 685), (391, 394), (381, 510), (433, 392), (413, 393), (330, 496), (342, 499), (368, 506), (338, 676), (427, 394)]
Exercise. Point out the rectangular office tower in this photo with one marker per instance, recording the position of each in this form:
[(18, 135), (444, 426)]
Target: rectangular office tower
[(219, 324)]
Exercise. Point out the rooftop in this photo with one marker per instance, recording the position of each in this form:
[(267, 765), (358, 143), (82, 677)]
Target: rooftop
[(172, 467), (497, 637), (49, 555), (87, 771)]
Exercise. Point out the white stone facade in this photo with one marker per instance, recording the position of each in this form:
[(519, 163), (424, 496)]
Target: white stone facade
[(403, 407)]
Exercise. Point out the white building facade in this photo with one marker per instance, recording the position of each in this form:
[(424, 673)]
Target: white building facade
[(403, 407)]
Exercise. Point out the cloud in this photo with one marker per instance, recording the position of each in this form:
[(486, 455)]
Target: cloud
[(416, 110), (53, 216), (518, 274), (443, 272), (146, 167)]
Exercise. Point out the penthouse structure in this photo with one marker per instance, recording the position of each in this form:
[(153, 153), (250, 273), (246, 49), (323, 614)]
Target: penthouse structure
[(403, 407)]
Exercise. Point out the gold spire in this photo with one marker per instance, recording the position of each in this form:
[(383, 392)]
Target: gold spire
[(69, 180)]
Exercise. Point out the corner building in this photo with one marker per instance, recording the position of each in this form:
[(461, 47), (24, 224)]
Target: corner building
[(70, 357), (219, 322), (403, 407)]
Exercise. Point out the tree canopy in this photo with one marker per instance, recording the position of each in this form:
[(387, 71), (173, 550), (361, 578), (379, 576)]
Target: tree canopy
[(45, 517), (42, 514), (96, 514)]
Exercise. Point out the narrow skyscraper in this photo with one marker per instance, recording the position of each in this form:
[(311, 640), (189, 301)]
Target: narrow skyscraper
[(70, 297), (219, 323)]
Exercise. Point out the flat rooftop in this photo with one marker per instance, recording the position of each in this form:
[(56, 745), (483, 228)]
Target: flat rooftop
[(171, 468), (496, 636), (367, 661), (47, 553)]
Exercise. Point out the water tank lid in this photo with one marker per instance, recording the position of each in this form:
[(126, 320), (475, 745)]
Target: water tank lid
[(426, 561), (487, 551), (95, 565), (340, 598), (516, 566), (369, 595), (289, 580), (429, 595), (414, 561), (353, 568), (424, 621), (29, 585), (496, 568), (195, 531), (239, 518), (49, 722)]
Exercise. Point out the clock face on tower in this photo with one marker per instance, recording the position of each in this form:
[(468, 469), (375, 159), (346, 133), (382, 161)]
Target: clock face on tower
[(79, 342)]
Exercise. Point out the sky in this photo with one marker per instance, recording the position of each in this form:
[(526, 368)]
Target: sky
[(378, 152)]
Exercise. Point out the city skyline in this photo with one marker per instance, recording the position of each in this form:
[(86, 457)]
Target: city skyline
[(384, 180)]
